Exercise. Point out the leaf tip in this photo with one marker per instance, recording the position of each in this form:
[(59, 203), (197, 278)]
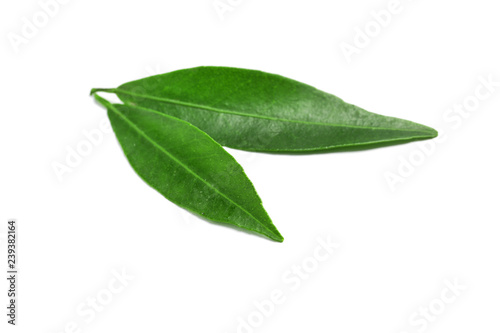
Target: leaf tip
[(432, 133), (277, 237)]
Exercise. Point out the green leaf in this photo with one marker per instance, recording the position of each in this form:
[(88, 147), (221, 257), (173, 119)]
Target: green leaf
[(188, 168), (257, 111)]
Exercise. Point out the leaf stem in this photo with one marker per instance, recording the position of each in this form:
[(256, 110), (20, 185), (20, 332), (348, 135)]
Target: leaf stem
[(102, 101), (108, 90)]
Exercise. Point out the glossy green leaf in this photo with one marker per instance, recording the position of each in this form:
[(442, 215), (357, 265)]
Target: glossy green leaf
[(188, 168), (257, 111)]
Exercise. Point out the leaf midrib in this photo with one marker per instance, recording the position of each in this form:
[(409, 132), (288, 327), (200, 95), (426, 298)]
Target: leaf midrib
[(154, 143), (209, 108)]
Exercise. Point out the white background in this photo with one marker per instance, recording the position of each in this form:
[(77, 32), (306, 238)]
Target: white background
[(397, 247)]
